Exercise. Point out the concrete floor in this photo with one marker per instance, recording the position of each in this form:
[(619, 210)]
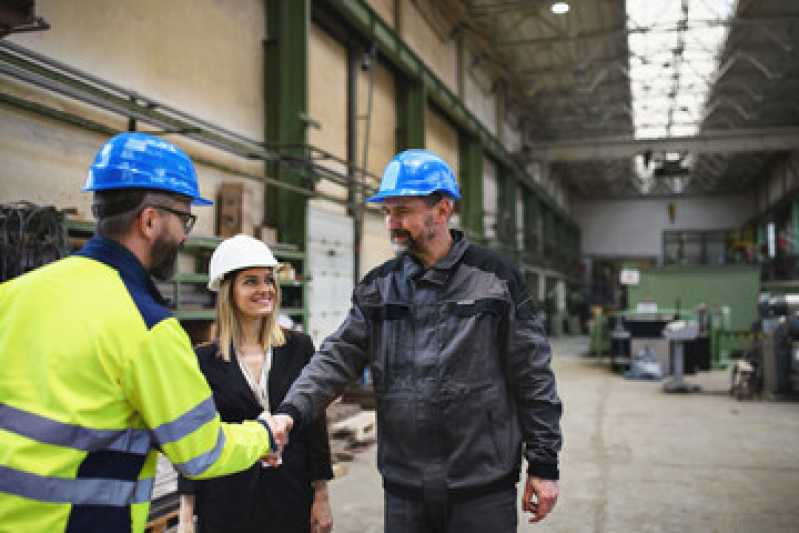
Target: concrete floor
[(638, 460)]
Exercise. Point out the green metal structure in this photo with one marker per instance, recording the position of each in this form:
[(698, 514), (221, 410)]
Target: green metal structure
[(471, 174), (736, 287), (286, 98), (411, 109), (729, 292)]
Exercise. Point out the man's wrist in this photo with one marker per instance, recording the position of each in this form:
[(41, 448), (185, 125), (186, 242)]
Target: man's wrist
[(320, 488), (544, 471), (262, 419), (292, 412)]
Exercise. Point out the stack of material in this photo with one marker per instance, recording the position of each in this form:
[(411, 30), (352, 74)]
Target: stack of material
[(30, 236), (349, 434)]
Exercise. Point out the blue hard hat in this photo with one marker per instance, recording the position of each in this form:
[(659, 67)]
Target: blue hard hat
[(416, 173), (134, 160)]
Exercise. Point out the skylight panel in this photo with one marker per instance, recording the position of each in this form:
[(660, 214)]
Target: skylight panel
[(674, 47)]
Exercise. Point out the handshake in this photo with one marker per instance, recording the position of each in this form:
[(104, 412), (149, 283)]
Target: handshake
[(280, 425)]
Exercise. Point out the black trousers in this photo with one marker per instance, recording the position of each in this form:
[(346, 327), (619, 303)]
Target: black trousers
[(492, 513)]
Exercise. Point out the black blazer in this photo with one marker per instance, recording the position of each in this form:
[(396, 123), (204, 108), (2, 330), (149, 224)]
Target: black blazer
[(262, 499)]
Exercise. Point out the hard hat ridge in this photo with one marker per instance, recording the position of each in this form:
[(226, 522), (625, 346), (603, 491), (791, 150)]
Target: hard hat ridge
[(135, 160), (236, 253), (416, 172)]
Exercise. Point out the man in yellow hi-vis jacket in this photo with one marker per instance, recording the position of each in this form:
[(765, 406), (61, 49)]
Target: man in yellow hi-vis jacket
[(97, 375)]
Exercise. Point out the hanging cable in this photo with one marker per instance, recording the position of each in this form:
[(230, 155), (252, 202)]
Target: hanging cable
[(30, 236)]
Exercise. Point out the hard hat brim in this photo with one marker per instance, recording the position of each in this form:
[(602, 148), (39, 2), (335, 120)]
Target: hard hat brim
[(381, 196)]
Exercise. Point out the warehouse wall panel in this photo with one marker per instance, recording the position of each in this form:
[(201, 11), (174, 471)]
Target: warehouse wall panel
[(330, 263), (438, 52), (384, 8), (442, 138), (203, 57), (628, 227), (480, 97), (376, 246), (327, 101), (382, 130)]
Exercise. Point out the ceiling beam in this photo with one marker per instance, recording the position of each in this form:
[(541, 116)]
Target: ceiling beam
[(624, 31), (742, 140)]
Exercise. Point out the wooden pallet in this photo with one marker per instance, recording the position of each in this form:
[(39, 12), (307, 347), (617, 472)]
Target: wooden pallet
[(160, 524)]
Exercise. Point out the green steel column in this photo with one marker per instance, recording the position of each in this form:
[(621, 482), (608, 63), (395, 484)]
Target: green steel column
[(411, 109), (470, 156), (507, 207), (286, 88)]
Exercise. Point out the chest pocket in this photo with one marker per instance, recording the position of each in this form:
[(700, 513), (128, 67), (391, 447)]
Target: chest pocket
[(470, 308), (392, 344), (471, 339)]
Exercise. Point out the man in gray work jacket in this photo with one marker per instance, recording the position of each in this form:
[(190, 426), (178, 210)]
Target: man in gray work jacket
[(460, 365)]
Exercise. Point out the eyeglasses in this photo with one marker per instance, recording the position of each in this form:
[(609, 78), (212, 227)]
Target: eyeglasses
[(187, 219)]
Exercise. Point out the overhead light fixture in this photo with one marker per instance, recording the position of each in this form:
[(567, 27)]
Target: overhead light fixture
[(559, 8)]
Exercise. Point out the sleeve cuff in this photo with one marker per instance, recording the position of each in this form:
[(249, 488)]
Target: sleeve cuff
[(544, 471), (272, 443), (186, 485), (293, 412)]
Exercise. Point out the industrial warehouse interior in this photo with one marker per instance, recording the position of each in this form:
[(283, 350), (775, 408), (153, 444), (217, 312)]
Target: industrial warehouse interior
[(636, 162)]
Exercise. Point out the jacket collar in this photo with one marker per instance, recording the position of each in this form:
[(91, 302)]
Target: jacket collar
[(117, 256), (439, 272)]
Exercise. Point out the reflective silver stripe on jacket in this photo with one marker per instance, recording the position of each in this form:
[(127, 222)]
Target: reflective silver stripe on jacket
[(198, 465), (49, 431), (186, 423), (81, 491)]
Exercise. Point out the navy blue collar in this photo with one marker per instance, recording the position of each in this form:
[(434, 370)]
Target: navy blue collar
[(117, 256)]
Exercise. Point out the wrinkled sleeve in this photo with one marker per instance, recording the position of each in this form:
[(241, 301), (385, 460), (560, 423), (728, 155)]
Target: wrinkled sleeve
[(319, 449), (163, 382), (529, 372), (339, 361)]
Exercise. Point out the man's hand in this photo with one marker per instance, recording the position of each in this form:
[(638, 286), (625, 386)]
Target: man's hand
[(281, 426), (540, 496), (321, 517)]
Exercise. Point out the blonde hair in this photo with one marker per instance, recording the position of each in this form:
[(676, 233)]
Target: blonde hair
[(228, 330)]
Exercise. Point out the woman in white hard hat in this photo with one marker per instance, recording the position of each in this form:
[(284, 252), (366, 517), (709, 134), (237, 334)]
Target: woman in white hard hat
[(250, 366)]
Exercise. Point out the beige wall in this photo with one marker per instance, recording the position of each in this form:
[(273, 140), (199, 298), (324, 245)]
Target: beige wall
[(327, 101), (442, 138), (376, 247), (479, 95), (204, 57), (384, 8), (382, 130), (438, 52)]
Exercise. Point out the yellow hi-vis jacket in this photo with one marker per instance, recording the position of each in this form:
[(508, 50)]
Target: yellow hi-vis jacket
[(94, 375)]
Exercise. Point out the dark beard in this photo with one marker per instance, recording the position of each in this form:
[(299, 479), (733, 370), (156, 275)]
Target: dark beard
[(164, 259), (413, 245)]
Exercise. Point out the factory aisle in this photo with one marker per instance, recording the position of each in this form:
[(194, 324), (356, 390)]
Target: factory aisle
[(638, 460)]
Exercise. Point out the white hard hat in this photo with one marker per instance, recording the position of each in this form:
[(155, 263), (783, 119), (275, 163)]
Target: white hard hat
[(235, 253)]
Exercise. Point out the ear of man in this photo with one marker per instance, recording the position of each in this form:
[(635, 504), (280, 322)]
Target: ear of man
[(149, 223), (445, 208)]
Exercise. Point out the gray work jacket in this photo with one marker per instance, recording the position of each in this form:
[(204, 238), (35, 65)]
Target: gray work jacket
[(461, 372)]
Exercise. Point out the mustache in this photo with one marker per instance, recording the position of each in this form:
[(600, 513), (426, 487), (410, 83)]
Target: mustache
[(400, 233)]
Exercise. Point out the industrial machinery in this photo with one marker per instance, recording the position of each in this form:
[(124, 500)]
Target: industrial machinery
[(678, 333), (779, 322)]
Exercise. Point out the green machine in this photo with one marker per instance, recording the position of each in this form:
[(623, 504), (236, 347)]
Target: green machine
[(729, 295)]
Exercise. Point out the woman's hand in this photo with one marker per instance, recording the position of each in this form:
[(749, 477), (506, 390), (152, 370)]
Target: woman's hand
[(186, 514), (321, 516)]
